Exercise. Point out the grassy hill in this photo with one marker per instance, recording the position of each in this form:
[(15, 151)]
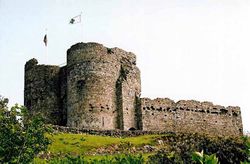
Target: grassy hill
[(84, 144), (97, 147), (180, 146)]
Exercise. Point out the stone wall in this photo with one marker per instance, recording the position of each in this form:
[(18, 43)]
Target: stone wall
[(41, 91), (63, 94), (113, 133), (97, 89), (128, 90), (190, 116), (92, 75), (100, 89)]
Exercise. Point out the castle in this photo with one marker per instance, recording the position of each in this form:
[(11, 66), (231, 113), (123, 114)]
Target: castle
[(100, 88)]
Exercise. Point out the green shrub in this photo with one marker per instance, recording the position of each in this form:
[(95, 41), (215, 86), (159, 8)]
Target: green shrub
[(201, 158), (228, 150), (68, 160), (121, 159), (128, 159), (246, 141), (165, 157), (20, 140)]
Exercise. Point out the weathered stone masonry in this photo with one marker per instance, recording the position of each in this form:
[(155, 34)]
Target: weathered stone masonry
[(100, 88), (190, 116)]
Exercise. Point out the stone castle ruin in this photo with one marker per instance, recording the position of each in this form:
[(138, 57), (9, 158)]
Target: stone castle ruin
[(100, 88)]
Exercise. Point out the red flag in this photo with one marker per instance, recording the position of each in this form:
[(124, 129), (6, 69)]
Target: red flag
[(45, 40)]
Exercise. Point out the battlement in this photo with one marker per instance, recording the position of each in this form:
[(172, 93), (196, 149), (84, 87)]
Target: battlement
[(190, 115), (168, 105), (95, 52), (100, 89), (33, 64)]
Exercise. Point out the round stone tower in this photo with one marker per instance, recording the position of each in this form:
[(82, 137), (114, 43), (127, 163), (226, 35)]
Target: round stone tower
[(92, 72)]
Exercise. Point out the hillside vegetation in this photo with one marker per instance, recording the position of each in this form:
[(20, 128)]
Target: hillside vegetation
[(84, 144), (22, 140), (177, 148)]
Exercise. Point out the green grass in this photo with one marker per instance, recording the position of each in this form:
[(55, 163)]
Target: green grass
[(79, 144), (94, 147), (82, 144), (39, 161), (99, 157)]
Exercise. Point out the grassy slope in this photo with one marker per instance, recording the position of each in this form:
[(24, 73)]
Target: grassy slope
[(80, 144), (86, 145), (83, 144)]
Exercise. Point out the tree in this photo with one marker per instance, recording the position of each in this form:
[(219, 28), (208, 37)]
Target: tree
[(21, 137), (246, 141)]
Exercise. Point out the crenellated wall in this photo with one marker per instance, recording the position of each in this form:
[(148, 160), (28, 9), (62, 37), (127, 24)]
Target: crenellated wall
[(100, 89), (190, 116)]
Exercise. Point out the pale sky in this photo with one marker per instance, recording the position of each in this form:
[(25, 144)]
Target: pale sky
[(186, 49)]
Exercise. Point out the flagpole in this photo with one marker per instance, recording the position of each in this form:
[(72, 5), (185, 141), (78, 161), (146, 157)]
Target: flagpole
[(46, 52), (82, 26), (75, 20)]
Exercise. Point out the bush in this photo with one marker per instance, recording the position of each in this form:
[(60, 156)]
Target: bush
[(201, 158), (165, 157), (20, 140), (121, 159), (68, 160), (246, 141), (228, 150)]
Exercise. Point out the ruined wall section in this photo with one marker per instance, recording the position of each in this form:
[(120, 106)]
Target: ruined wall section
[(41, 92), (63, 94), (191, 116), (208, 118), (157, 114), (130, 93), (92, 71), (129, 89)]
